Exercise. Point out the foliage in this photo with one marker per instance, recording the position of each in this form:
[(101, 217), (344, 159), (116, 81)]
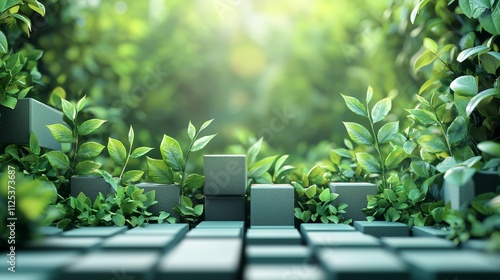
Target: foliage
[(18, 59), (172, 169), (344, 167)]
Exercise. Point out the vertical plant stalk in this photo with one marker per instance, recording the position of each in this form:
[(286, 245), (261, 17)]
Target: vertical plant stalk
[(443, 131), (186, 157), (76, 136), (377, 146)]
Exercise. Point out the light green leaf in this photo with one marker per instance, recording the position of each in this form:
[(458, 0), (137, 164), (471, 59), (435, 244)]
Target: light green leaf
[(426, 58), (110, 180), (315, 175), (81, 104), (368, 162), (355, 105), (194, 181), (462, 56), (409, 146), (489, 147), (395, 158), (131, 136), (261, 167), (206, 124), (464, 85), (446, 164), (24, 19), (431, 45), (186, 201), (311, 191), (198, 210), (90, 150), (68, 110), (432, 144), (280, 162), (419, 168), (381, 109), (87, 167), (159, 172), (369, 94), (58, 160), (476, 100), (117, 151), (89, 126), (37, 7), (171, 153), (253, 151), (191, 131), (417, 8), (457, 131), (202, 142), (388, 132), (61, 133), (9, 102), (139, 152), (325, 195), (424, 117), (358, 133), (392, 215), (4, 46), (132, 176), (119, 220)]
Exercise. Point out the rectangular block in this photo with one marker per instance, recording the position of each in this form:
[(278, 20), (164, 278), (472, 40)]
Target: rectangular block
[(355, 195), (26, 276), (39, 261), (48, 231), (221, 224), (430, 231), (225, 208), (198, 258), (273, 236), (215, 233), (283, 271), (417, 243), (106, 265), (29, 116), (167, 195), (225, 175), (460, 196), (362, 263), (348, 239), (65, 243), (271, 205), (178, 230), (138, 242), (94, 231), (91, 186), (450, 264), (382, 228), (272, 254), (325, 227)]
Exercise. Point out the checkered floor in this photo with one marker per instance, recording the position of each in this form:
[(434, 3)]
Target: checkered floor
[(226, 250)]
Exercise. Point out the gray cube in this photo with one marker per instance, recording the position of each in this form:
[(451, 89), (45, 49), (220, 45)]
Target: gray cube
[(39, 261), (355, 195), (178, 230), (167, 195), (65, 243), (215, 233), (382, 228), (220, 208), (225, 175), (91, 186), (29, 116), (460, 196), (271, 205)]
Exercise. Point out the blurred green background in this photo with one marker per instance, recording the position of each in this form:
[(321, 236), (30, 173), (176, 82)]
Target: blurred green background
[(272, 69)]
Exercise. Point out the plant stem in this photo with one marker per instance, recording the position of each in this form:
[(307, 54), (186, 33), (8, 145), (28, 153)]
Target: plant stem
[(377, 147), (183, 179)]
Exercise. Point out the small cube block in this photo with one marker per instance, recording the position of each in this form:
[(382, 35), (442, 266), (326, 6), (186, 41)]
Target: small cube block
[(349, 239), (225, 175), (417, 243), (91, 186), (229, 208), (355, 196), (273, 254), (325, 227), (382, 228), (273, 236), (271, 205), (221, 224), (167, 195), (137, 242), (178, 230), (215, 233), (65, 243)]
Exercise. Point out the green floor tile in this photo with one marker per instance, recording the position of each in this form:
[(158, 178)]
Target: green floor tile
[(160, 229), (417, 243), (382, 228), (40, 261), (273, 236), (65, 243), (26, 276), (325, 227), (283, 271), (127, 242), (215, 233), (268, 254), (427, 231), (49, 231), (316, 239), (94, 231), (221, 224)]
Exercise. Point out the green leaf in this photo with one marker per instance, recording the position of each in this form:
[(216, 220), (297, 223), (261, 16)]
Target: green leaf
[(419, 168), (191, 131), (57, 95), (392, 215), (369, 94), (171, 153), (464, 85), (431, 45), (37, 7), (409, 146), (489, 147), (58, 160), (80, 104), (139, 152), (381, 109), (132, 176), (490, 62), (306, 216), (476, 100), (89, 126), (110, 180), (474, 8), (68, 110), (390, 195), (311, 191), (194, 181), (61, 133), (280, 162), (417, 8), (358, 133), (387, 132), (457, 131), (131, 136), (315, 175), (159, 172), (253, 151), (198, 210), (117, 151), (425, 117), (9, 101), (325, 195), (90, 150), (395, 158), (206, 124), (446, 164), (355, 105), (261, 167), (462, 56), (186, 201), (24, 19), (87, 167), (201, 142), (432, 144), (4, 46), (119, 220), (489, 20), (426, 58), (368, 162)]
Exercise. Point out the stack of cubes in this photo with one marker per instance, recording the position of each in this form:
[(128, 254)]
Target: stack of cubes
[(225, 187)]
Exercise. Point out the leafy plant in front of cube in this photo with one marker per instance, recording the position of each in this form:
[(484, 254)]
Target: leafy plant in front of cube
[(172, 169)]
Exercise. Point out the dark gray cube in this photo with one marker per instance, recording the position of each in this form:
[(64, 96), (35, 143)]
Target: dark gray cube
[(273, 236), (348, 239), (225, 208), (273, 254), (430, 231), (94, 231), (355, 195), (271, 205), (198, 258), (225, 175), (325, 227), (362, 263), (29, 116), (303, 271), (167, 195), (382, 228), (137, 242), (417, 243), (91, 186), (215, 233)]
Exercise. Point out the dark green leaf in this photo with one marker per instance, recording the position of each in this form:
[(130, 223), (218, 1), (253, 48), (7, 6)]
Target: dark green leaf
[(4, 46), (381, 109), (387, 132), (368, 162), (425, 117), (476, 100), (171, 153), (159, 172), (202, 142), (58, 160), (355, 106), (89, 126), (465, 85), (474, 8), (117, 151), (419, 168), (471, 52), (358, 133), (61, 133), (457, 131), (90, 150)]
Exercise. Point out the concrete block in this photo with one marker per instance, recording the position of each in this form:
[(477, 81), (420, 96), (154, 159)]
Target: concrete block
[(91, 186), (215, 233), (29, 116), (430, 231), (106, 265), (325, 227), (198, 258), (271, 205), (225, 208), (167, 195), (349, 239), (40, 261), (362, 263), (221, 224), (450, 264), (273, 236), (65, 243), (382, 228), (138, 242), (417, 243), (355, 195), (273, 254), (26, 276), (178, 230), (283, 271), (460, 196), (48, 231), (225, 175), (94, 231)]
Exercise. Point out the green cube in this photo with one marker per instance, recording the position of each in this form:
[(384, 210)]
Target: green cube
[(271, 205)]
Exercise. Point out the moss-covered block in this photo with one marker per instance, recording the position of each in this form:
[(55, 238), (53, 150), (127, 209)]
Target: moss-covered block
[(382, 228)]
